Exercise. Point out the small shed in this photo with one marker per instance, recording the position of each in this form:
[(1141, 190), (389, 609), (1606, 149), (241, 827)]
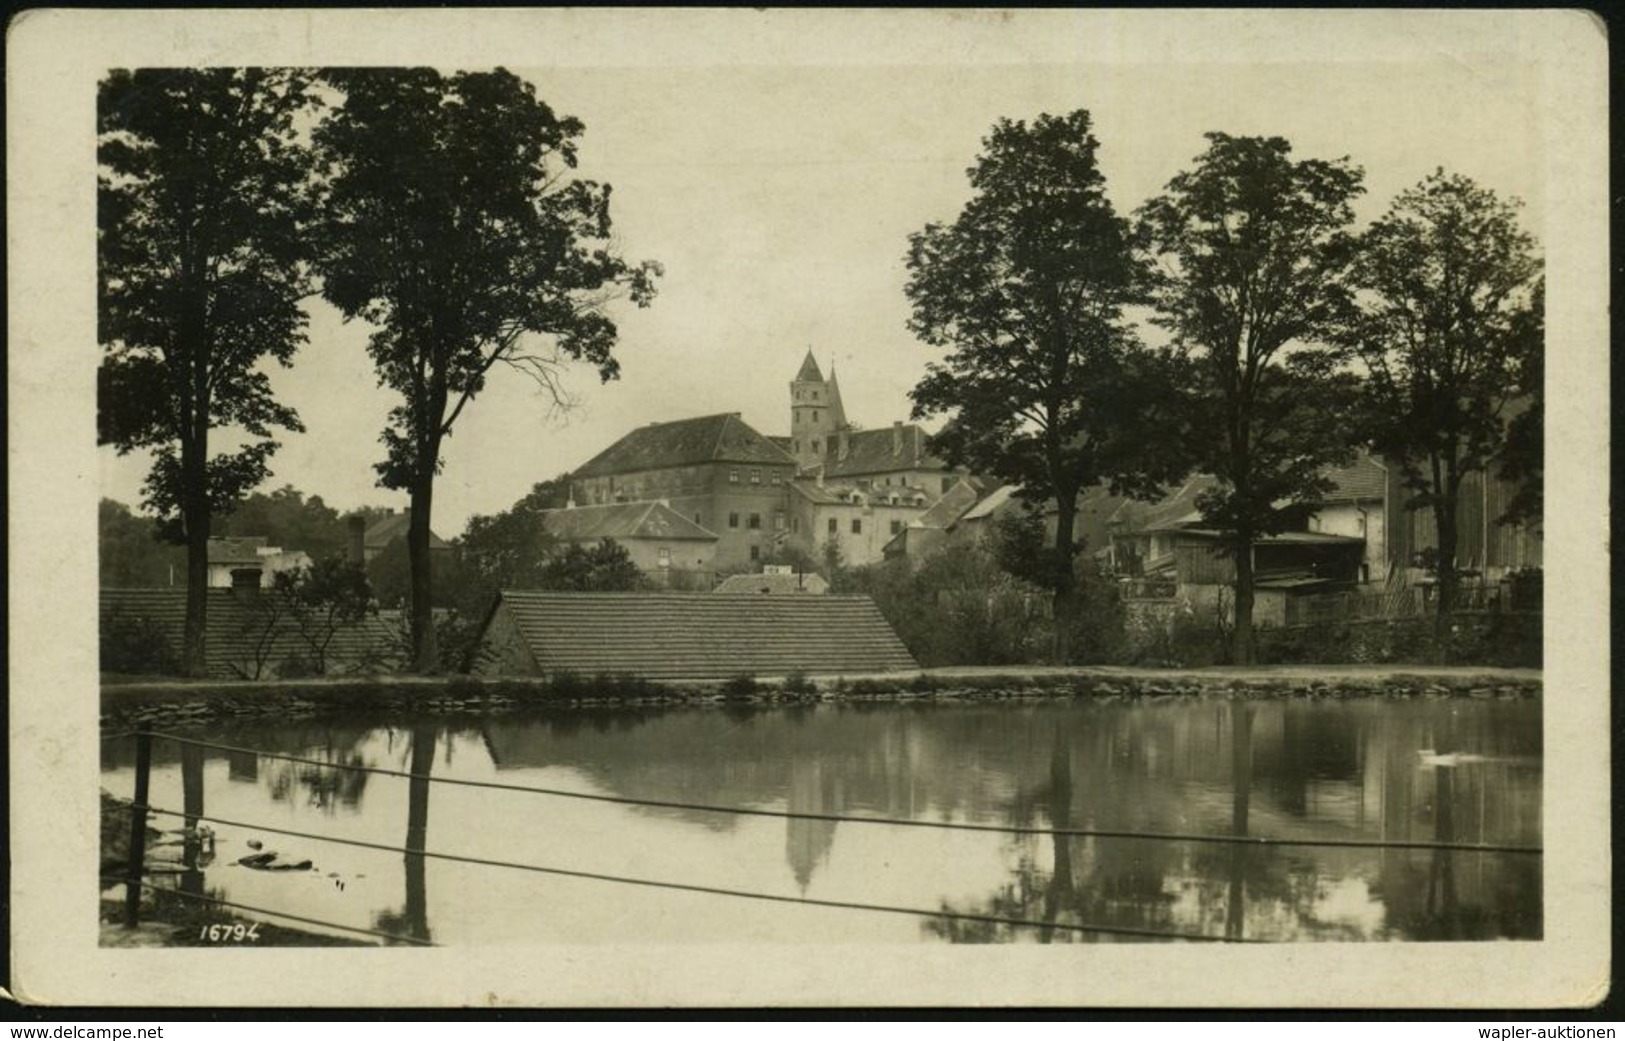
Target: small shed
[(686, 635)]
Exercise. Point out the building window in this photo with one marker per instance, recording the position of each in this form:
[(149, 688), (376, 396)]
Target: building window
[(795, 447), (665, 557), (755, 521), (815, 448), (756, 553), (795, 524), (834, 526), (733, 476), (896, 526), (755, 476), (778, 520), (857, 526), (815, 398), (815, 415), (733, 520), (778, 478)]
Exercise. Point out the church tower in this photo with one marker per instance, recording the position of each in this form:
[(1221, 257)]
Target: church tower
[(815, 413)]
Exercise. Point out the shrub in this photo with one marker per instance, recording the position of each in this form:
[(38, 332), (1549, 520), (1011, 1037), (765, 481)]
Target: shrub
[(137, 644), (798, 683), (743, 686)]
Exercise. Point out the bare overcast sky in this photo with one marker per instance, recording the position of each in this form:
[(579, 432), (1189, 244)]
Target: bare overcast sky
[(779, 198)]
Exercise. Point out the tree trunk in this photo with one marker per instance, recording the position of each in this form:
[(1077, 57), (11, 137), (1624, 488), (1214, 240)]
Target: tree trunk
[(417, 830), (1444, 519), (195, 522), (1241, 782), (1241, 652), (425, 653), (1064, 580)]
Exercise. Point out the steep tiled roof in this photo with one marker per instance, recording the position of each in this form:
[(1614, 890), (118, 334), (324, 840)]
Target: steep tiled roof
[(872, 451), (1363, 479), (1176, 508), (703, 635), (723, 438), (385, 530), (773, 584), (629, 520), (992, 503), (954, 502), (234, 630)]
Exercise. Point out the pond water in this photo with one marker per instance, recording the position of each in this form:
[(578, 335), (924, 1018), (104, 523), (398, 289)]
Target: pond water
[(1458, 770)]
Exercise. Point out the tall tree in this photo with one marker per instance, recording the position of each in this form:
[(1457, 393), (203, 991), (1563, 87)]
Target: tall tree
[(202, 209), (457, 229), (1445, 318), (1249, 245), (1044, 383)]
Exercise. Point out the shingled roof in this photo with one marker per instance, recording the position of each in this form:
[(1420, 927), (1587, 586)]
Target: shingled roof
[(1362, 480), (627, 520), (697, 635), (899, 447), (234, 631), (723, 438)]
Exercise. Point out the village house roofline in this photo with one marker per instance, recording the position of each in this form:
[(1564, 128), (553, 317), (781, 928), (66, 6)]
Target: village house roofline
[(1301, 538), (720, 438), (649, 519), (237, 549), (384, 530)]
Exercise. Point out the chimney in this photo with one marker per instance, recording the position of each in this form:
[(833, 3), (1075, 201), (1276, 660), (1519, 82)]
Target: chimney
[(357, 553), (245, 581), (897, 437)]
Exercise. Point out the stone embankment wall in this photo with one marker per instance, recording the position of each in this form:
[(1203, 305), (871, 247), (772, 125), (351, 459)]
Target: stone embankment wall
[(183, 704)]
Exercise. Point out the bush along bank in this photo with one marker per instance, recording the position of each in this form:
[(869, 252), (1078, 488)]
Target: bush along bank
[(181, 704)]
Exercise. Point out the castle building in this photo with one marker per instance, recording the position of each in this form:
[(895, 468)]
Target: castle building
[(764, 497)]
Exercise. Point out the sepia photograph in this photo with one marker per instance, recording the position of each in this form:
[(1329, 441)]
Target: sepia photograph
[(653, 508)]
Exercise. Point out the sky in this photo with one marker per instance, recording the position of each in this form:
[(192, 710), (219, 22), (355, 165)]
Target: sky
[(779, 198)]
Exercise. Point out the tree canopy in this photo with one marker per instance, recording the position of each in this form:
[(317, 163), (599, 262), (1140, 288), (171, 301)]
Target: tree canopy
[(202, 232), (1446, 319), (457, 230), (1044, 383), (1250, 246)]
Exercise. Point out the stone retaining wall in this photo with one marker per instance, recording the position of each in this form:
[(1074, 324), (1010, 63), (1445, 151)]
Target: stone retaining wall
[(181, 704)]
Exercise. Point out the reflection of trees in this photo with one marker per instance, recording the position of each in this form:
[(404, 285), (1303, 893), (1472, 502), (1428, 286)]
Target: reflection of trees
[(413, 919), (327, 786)]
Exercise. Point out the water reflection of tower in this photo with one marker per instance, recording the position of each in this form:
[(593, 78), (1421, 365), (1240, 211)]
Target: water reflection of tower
[(807, 842)]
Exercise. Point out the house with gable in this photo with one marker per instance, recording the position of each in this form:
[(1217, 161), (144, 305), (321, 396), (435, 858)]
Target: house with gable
[(669, 548)]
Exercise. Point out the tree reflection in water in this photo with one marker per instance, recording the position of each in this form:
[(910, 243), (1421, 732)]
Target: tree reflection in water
[(413, 919), (1123, 778)]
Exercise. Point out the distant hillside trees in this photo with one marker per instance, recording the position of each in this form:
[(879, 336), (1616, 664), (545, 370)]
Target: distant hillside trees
[(1044, 382), (1446, 318), (202, 238), (1251, 246), (457, 230), (132, 552), (287, 518)]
